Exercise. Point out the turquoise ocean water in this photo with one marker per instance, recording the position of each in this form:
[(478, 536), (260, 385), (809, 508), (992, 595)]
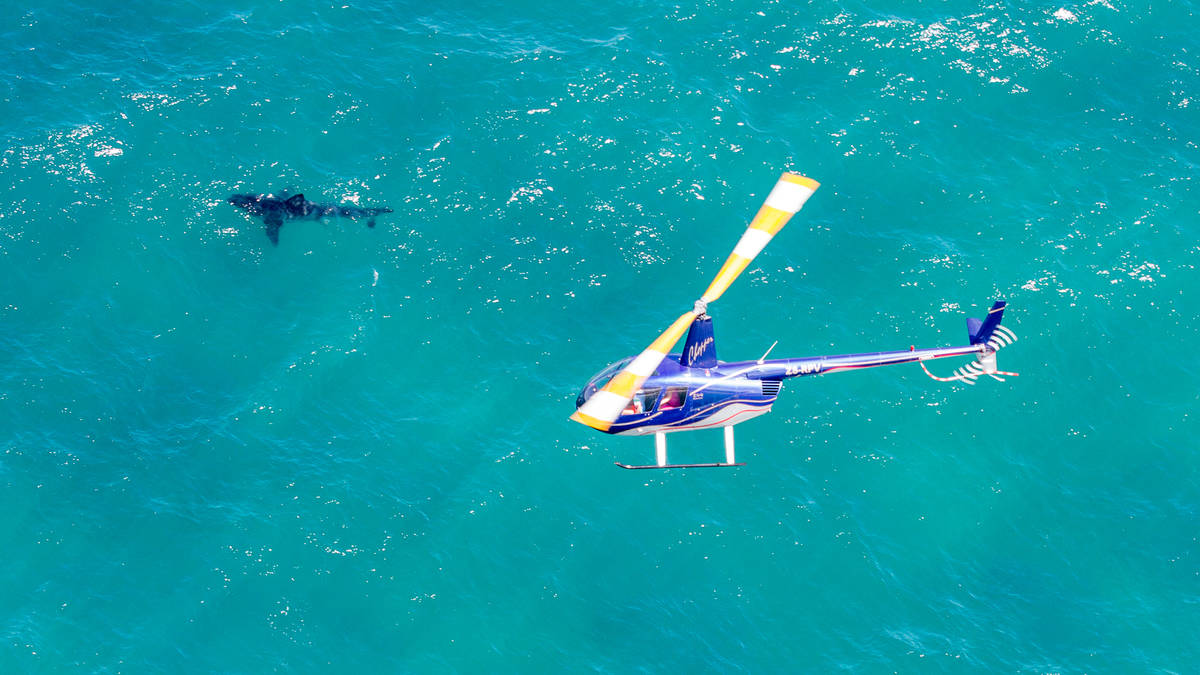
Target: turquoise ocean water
[(351, 452)]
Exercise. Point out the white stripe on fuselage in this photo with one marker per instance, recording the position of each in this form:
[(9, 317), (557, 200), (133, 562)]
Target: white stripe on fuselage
[(718, 416)]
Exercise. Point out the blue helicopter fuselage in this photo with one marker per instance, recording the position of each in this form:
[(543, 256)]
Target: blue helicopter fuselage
[(709, 393), (677, 397)]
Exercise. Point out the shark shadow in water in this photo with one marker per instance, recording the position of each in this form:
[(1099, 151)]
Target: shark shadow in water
[(275, 210)]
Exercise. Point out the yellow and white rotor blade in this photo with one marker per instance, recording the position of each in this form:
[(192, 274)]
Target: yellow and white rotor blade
[(785, 200), (605, 406)]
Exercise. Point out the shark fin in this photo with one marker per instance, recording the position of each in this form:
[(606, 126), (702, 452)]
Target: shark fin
[(296, 201), (274, 222)]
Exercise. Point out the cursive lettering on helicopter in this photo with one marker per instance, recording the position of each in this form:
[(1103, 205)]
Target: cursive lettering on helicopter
[(697, 349), (803, 368)]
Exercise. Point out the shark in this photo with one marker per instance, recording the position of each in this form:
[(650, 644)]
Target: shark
[(275, 210)]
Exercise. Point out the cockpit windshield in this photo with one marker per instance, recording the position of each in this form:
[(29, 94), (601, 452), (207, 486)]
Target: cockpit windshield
[(601, 378)]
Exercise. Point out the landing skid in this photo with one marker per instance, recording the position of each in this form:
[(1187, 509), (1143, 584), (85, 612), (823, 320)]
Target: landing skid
[(660, 452), (710, 465)]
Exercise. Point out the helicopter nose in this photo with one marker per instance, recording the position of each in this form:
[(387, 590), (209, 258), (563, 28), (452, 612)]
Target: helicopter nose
[(584, 395)]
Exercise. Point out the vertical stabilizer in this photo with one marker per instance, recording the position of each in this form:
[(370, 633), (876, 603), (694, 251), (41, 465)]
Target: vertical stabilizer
[(981, 331)]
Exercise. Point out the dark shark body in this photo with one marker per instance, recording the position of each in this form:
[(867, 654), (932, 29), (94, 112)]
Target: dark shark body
[(275, 210)]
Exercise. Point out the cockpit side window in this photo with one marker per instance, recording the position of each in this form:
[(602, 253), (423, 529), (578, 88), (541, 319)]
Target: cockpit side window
[(673, 399), (642, 401)]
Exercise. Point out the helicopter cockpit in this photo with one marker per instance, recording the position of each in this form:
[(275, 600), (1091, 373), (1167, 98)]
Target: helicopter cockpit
[(600, 379), (644, 401)]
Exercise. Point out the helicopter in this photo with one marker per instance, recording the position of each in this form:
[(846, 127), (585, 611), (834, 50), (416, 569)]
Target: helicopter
[(657, 392)]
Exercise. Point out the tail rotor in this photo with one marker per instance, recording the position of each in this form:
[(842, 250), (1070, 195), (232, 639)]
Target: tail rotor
[(1003, 337), (990, 337)]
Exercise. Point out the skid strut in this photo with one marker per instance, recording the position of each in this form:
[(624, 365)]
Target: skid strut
[(660, 455)]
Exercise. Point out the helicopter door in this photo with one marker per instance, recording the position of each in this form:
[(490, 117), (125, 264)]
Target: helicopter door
[(643, 401), (673, 399)]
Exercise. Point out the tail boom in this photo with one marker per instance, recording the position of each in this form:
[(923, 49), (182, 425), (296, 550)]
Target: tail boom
[(986, 337), (819, 365)]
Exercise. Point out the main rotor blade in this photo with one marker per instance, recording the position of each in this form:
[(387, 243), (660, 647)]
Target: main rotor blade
[(785, 200), (605, 406)]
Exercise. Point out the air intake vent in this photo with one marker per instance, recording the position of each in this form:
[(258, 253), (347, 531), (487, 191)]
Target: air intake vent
[(771, 387)]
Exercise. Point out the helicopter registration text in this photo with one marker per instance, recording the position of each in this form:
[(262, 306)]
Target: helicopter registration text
[(803, 368)]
